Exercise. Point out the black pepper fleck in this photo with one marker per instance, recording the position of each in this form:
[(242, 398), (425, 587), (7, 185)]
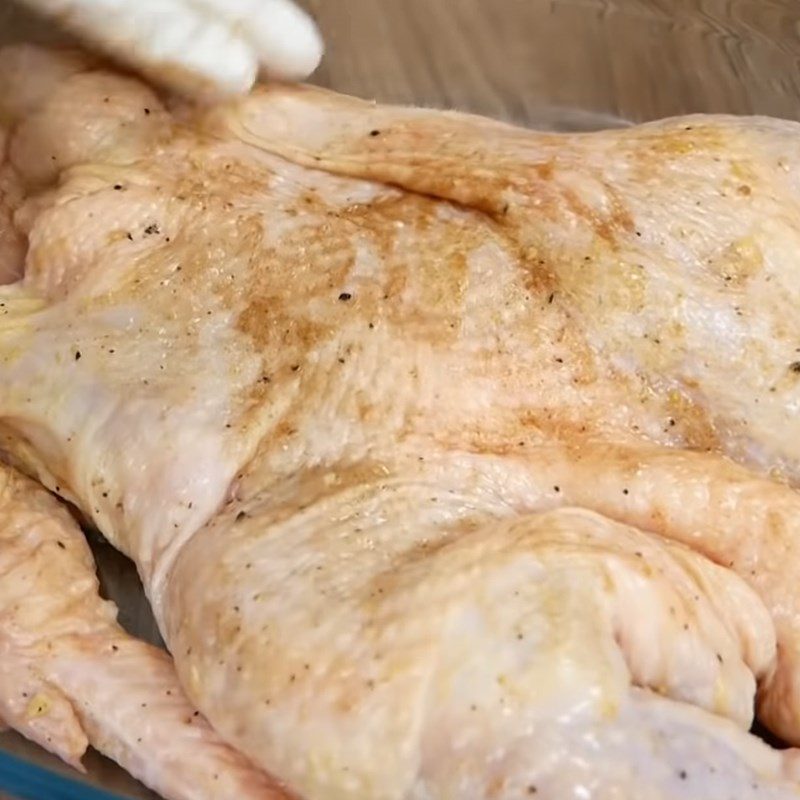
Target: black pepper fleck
[(345, 296)]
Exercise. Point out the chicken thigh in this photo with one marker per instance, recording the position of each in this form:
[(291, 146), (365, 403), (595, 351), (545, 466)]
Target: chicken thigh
[(350, 385)]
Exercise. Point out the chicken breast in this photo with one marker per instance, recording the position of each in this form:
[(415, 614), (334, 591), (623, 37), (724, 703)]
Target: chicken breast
[(400, 414), (671, 244)]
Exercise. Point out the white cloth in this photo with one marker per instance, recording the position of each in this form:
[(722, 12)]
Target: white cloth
[(204, 47)]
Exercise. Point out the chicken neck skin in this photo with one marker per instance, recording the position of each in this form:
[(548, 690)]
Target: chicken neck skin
[(205, 325)]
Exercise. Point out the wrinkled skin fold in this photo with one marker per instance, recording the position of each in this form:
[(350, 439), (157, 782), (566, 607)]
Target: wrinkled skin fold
[(423, 430)]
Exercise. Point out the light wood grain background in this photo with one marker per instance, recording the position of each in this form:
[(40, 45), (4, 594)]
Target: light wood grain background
[(544, 61), (559, 64)]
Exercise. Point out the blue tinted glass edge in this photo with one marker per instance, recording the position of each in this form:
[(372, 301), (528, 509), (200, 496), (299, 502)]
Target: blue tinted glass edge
[(25, 781)]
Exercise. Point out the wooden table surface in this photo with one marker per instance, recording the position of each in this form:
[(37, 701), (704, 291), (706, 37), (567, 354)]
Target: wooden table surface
[(559, 64)]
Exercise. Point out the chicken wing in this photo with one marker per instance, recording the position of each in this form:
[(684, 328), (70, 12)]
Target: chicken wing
[(70, 676)]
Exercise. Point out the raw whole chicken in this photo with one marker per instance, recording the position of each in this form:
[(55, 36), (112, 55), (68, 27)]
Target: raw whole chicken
[(421, 430)]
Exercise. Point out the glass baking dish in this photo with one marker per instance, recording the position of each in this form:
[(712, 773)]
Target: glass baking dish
[(551, 64)]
